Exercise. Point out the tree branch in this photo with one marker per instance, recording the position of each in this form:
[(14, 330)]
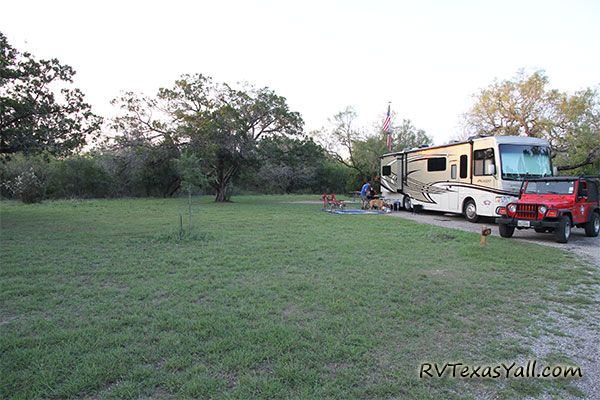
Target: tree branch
[(590, 159)]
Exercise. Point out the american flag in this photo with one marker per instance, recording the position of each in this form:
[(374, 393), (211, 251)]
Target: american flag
[(386, 128)]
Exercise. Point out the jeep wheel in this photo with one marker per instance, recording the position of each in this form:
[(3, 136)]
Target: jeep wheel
[(506, 231), (407, 204), (592, 227), (470, 211), (563, 230)]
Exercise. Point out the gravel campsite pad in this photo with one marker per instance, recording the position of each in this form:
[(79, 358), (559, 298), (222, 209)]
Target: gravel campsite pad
[(585, 247)]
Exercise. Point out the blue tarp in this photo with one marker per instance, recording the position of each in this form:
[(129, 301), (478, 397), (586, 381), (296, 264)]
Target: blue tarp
[(354, 211)]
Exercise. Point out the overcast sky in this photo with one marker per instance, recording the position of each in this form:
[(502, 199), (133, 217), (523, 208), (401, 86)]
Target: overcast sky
[(426, 57)]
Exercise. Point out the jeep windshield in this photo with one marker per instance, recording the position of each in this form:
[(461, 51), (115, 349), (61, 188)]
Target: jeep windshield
[(520, 160), (550, 187)]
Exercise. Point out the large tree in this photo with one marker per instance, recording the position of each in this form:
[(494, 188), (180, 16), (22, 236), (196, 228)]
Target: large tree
[(526, 106), (220, 124), (39, 110), (406, 136), (360, 149), (340, 138)]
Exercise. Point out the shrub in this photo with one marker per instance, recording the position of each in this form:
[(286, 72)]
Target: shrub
[(78, 176), (24, 179), (27, 186)]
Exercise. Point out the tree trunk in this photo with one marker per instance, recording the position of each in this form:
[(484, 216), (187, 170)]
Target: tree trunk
[(222, 194), (222, 191), (221, 186), (173, 188)]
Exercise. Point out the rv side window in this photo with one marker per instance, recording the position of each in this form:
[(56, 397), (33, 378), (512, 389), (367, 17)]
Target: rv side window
[(436, 164), (482, 162), (453, 171), (463, 167), (386, 170)]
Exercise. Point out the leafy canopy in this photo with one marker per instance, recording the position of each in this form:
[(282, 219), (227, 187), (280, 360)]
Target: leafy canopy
[(526, 106), (39, 110)]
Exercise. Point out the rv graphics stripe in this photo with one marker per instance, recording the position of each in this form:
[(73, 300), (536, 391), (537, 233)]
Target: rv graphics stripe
[(422, 157), (422, 191), (385, 186), (429, 190), (480, 187)]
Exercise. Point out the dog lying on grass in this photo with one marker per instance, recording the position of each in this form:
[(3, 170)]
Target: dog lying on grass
[(377, 203)]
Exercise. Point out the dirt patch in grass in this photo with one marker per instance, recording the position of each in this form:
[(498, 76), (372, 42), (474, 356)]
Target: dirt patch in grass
[(440, 236), (290, 310)]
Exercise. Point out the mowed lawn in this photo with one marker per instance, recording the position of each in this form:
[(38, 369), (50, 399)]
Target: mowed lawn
[(266, 299)]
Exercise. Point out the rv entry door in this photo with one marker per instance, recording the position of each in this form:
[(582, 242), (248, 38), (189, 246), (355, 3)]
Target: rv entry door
[(452, 194), (400, 174)]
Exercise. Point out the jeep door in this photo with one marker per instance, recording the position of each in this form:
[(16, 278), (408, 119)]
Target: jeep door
[(582, 205)]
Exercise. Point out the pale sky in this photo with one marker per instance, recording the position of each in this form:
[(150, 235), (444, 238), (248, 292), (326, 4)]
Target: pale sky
[(427, 57)]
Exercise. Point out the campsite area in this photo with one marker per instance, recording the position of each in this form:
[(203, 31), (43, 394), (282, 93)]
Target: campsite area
[(270, 298)]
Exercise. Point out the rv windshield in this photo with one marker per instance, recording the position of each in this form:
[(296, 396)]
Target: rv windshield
[(520, 160)]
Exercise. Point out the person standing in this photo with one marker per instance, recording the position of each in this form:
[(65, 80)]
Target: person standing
[(364, 194)]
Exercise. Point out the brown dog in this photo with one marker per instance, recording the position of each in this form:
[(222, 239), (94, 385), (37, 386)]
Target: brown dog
[(485, 232), (377, 203)]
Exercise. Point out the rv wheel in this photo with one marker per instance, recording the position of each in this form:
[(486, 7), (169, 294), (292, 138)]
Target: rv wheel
[(470, 211), (407, 203)]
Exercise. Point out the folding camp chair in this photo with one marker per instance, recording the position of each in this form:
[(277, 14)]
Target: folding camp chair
[(332, 203)]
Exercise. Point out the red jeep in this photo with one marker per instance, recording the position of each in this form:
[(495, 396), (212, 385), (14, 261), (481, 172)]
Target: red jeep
[(553, 204)]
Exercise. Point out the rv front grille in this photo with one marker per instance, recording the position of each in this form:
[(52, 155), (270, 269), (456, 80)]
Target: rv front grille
[(527, 211)]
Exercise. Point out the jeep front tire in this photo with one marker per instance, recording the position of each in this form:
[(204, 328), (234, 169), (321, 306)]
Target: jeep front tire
[(563, 230), (506, 231)]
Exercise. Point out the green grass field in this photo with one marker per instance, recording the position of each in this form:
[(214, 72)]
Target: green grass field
[(265, 299)]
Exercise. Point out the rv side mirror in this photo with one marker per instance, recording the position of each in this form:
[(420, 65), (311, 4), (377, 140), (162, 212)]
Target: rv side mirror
[(554, 171)]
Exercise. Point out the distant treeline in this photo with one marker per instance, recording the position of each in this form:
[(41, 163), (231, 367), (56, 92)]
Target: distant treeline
[(281, 165)]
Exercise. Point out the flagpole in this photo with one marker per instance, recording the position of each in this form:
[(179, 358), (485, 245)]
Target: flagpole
[(386, 127)]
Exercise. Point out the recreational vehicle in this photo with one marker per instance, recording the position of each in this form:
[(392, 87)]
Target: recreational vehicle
[(473, 177)]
